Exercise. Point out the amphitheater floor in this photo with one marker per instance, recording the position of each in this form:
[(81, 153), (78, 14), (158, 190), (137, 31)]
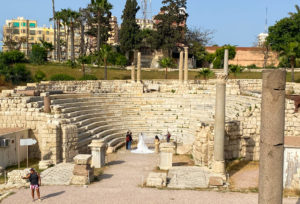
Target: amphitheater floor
[(120, 184)]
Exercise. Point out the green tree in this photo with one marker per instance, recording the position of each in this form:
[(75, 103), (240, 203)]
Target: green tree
[(38, 54), (284, 37), (166, 63), (101, 9), (11, 57), (129, 33), (197, 40), (219, 60), (205, 73), (171, 25), (39, 76)]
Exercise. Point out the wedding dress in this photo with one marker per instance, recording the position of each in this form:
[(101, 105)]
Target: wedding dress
[(142, 147)]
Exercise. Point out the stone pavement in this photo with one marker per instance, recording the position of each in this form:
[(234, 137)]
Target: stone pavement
[(60, 174), (189, 177), (120, 184)]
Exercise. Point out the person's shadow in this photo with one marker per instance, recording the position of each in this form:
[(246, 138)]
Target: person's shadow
[(52, 195)]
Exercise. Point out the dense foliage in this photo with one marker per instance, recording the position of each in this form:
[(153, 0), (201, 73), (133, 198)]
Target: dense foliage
[(284, 37), (38, 54), (171, 25), (129, 33)]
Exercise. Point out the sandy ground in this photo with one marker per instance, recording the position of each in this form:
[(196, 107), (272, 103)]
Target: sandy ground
[(120, 184), (246, 178)]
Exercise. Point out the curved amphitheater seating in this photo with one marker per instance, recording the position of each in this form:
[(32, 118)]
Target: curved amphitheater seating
[(109, 116)]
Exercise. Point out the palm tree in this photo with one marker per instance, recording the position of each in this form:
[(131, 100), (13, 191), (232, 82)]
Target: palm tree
[(57, 18), (54, 26), (166, 63), (73, 18), (291, 52), (104, 53), (100, 6), (297, 11), (65, 13)]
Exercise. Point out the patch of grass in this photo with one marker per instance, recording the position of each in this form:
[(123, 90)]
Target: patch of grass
[(236, 165), (291, 192)]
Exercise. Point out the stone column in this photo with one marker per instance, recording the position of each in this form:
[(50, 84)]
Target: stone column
[(219, 137), (138, 77), (47, 102), (83, 174), (98, 153), (181, 67), (186, 64), (226, 55), (272, 137), (166, 155), (133, 73)]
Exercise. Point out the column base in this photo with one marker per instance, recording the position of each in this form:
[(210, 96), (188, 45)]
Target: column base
[(219, 167)]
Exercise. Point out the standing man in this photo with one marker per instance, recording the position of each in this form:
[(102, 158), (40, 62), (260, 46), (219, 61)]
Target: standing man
[(127, 139), (35, 183), (130, 141), (168, 136)]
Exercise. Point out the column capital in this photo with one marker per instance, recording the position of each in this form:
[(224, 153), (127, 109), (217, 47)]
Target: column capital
[(186, 49), (221, 77)]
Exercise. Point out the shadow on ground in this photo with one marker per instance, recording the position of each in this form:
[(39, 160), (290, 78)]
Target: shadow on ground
[(53, 195), (115, 162), (180, 164), (105, 176)]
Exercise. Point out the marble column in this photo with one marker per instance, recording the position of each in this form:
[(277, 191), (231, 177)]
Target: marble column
[(138, 77), (226, 55), (272, 137), (133, 73), (219, 137), (181, 67), (186, 64)]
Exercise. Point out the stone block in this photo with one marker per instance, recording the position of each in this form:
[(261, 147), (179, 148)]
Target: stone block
[(166, 159), (83, 159), (158, 180), (80, 180), (45, 164), (15, 177), (167, 147), (216, 181), (82, 170)]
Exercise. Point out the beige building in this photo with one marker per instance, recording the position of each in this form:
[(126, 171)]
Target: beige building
[(21, 34), (246, 56), (145, 24)]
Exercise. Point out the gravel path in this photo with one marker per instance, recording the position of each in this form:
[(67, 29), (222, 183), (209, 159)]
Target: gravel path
[(120, 184)]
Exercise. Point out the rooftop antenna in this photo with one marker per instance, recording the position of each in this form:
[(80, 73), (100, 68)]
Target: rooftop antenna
[(266, 25), (146, 10)]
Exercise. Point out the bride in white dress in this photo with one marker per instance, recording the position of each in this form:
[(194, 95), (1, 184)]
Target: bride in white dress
[(142, 147)]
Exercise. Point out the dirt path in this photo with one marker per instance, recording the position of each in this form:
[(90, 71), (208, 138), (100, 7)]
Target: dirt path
[(120, 184)]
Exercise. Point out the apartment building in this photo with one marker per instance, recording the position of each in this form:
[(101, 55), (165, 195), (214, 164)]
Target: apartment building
[(21, 34)]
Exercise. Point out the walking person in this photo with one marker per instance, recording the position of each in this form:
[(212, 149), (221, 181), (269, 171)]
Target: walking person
[(35, 183)]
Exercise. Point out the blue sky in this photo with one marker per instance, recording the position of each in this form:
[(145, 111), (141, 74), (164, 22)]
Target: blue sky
[(236, 22)]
